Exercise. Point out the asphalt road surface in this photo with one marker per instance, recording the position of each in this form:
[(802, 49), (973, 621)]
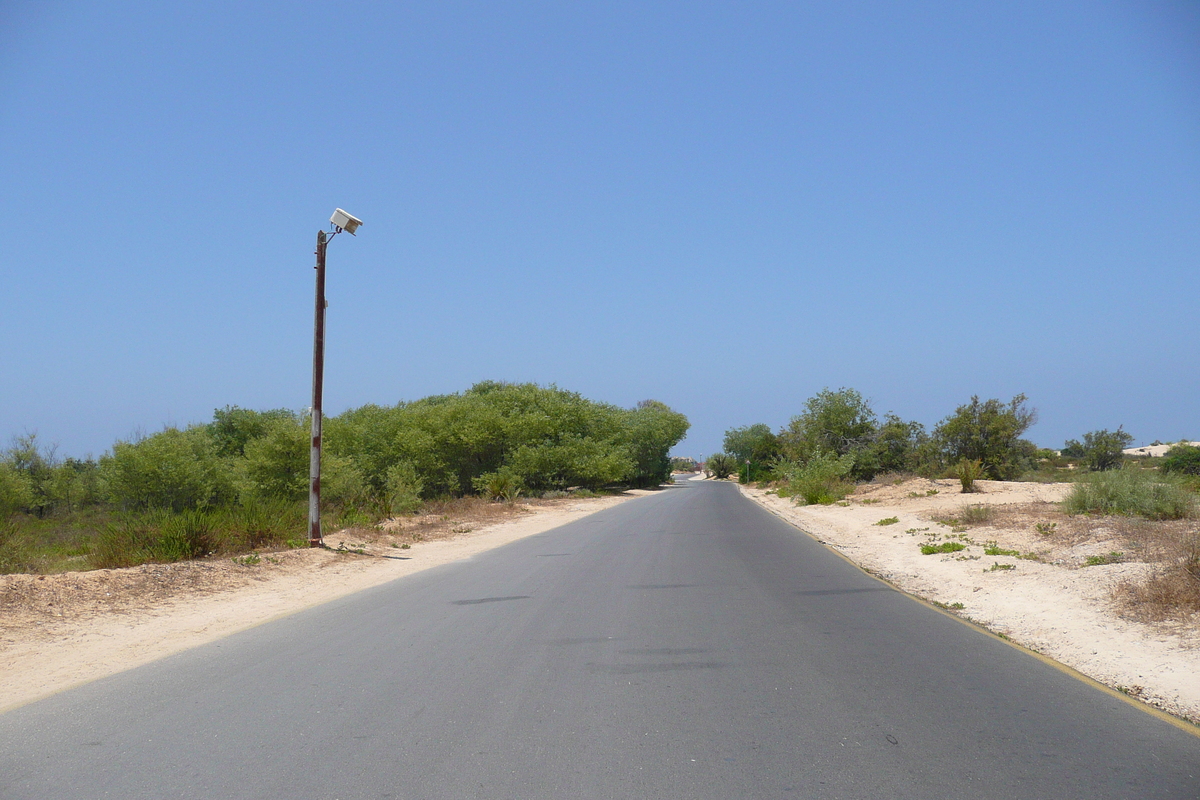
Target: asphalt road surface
[(686, 644)]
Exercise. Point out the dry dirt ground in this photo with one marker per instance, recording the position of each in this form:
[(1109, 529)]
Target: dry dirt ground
[(1054, 597), (58, 631)]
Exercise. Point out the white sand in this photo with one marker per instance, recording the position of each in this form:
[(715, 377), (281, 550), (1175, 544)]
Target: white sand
[(1155, 450)]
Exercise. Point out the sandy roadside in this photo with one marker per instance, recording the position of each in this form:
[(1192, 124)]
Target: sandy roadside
[(50, 640), (1055, 605)]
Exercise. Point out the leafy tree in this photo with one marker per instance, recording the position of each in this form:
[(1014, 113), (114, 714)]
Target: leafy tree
[(570, 461), (74, 483), (276, 461), (233, 428), (36, 463), (16, 491), (649, 432), (172, 469), (547, 437), (895, 447), (1183, 459), (1100, 450), (754, 443), (832, 422), (990, 432)]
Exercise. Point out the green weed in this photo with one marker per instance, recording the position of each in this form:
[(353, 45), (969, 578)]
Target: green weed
[(944, 547), (888, 521), (1131, 491), (968, 471)]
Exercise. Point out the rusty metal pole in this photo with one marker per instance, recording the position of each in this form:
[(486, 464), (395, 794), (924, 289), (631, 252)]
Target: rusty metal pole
[(314, 462)]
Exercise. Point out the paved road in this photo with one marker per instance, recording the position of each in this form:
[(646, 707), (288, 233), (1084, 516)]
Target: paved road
[(682, 645)]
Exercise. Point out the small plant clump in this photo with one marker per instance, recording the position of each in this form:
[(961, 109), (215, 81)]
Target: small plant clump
[(975, 514), (1046, 528), (888, 521), (993, 549), (1183, 459), (968, 471), (998, 567), (823, 479), (948, 606), (944, 547), (1132, 491), (1108, 558)]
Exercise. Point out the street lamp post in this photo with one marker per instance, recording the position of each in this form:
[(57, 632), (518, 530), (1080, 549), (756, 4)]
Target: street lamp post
[(341, 222)]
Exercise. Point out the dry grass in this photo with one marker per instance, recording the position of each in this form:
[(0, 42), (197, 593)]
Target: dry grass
[(35, 600), (445, 519), (967, 515), (1170, 593)]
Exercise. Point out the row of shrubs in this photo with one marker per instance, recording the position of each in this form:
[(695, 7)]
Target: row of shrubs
[(838, 440), (839, 430), (239, 481)]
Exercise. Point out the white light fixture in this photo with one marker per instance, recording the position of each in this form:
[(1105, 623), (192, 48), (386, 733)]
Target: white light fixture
[(345, 221)]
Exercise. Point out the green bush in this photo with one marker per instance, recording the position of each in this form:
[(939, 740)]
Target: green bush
[(16, 491), (720, 466), (754, 443), (753, 472), (233, 428), (503, 484), (833, 422), (552, 439), (402, 490), (1099, 450), (257, 524), (944, 547), (990, 432), (968, 471), (1182, 459), (157, 535), (172, 469), (15, 553), (240, 481), (275, 464), (895, 447), (823, 479), (1131, 491), (342, 482)]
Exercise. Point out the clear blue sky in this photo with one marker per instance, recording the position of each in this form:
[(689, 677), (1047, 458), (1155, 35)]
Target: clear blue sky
[(724, 206)]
